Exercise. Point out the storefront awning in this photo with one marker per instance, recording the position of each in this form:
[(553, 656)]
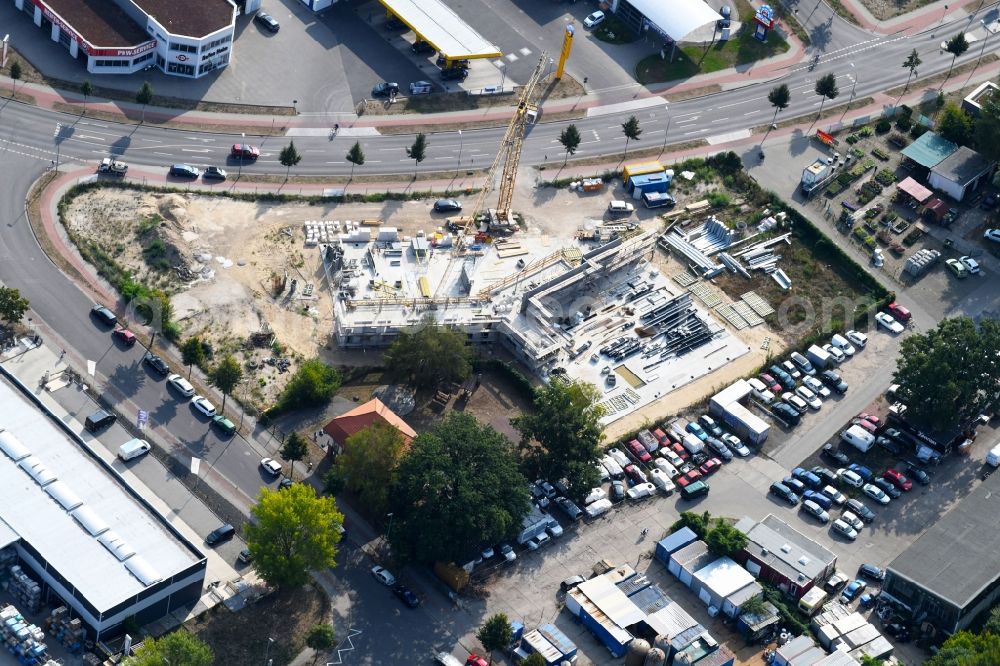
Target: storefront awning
[(915, 190), (676, 18)]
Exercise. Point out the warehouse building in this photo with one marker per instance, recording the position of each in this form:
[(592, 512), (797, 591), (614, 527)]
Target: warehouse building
[(778, 554), (951, 573), (180, 37), (89, 540)]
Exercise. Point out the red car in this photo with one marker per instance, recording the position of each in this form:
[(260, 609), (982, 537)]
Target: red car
[(126, 336), (871, 418), (680, 451), (897, 479), (710, 467), (661, 437), (772, 386), (688, 478), (635, 474), (899, 313), (639, 451), (244, 151), (867, 425)]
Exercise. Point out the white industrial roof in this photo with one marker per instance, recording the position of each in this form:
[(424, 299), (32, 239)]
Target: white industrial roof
[(75, 514), (612, 601), (724, 577), (438, 24), (677, 18), (670, 621)]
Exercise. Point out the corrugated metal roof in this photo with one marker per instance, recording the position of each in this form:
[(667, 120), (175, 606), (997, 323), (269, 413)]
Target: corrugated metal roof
[(439, 25), (677, 540), (723, 577), (612, 601), (929, 150), (671, 621), (963, 166)]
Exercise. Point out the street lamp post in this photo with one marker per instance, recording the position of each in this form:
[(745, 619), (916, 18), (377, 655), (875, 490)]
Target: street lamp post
[(461, 142), (267, 650), (985, 37), (666, 109)]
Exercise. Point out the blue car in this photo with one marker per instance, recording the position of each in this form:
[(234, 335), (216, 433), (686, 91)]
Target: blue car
[(868, 599), (852, 591), (819, 498), (697, 431), (807, 477), (861, 471)]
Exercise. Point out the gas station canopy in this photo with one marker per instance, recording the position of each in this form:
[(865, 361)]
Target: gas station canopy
[(442, 28), (677, 18)]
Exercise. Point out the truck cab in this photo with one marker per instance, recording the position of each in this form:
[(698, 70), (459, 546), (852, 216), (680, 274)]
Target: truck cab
[(111, 167)]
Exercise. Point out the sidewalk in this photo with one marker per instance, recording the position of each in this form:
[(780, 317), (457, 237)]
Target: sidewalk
[(912, 22)]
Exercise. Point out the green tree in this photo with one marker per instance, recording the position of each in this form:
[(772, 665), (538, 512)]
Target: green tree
[(192, 353), (868, 660), (570, 140), (368, 465), (753, 606), (987, 128), (826, 87), (632, 131), (724, 539), (86, 89), (312, 385), (950, 374), (560, 438), (779, 97), (355, 156), (534, 659), (955, 124), (12, 305), (289, 157), (428, 356), (144, 96), (911, 63), (417, 152), (226, 376), (495, 634), (698, 523), (320, 638), (291, 533), (956, 46), (15, 72), (459, 487), (294, 449), (968, 649), (993, 621), (178, 648)]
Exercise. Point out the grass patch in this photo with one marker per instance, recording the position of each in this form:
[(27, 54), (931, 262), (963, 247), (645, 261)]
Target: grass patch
[(614, 31), (693, 59)]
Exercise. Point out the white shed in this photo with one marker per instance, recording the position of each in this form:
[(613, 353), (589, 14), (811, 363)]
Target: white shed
[(960, 173)]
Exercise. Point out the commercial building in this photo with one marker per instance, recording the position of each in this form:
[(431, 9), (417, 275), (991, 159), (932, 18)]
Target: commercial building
[(724, 586), (778, 554), (439, 25), (951, 573), (974, 101), (961, 173), (728, 405), (79, 530), (180, 37)]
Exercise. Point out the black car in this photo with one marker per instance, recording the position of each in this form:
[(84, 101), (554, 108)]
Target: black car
[(617, 491), (214, 173), (385, 89), (266, 21), (103, 315), (405, 595), (784, 492), (871, 572), (785, 379), (786, 413), (184, 171), (447, 205), (828, 477), (420, 46), (897, 631), (889, 445), (918, 473), (720, 449), (794, 484), (220, 534), (454, 74), (989, 201), (833, 380), (831, 453), (461, 64), (889, 489), (858, 508), (156, 363)]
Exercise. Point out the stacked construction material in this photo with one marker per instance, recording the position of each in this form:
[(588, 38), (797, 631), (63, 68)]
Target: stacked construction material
[(21, 638), (921, 261), (67, 630), (321, 231), (26, 592)]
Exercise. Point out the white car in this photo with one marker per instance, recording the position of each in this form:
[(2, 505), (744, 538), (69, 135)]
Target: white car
[(507, 552), (760, 391), (835, 353), (835, 495), (850, 478), (661, 480), (271, 466), (202, 404), (640, 491), (796, 402), (857, 338), (487, 553), (810, 398), (665, 467), (619, 457), (817, 387), (887, 322), (875, 493), (971, 264), (383, 576), (792, 369), (595, 19), (671, 457), (181, 385), (992, 234), (852, 520), (844, 529), (736, 445), (843, 344), (594, 495), (555, 530), (816, 511)]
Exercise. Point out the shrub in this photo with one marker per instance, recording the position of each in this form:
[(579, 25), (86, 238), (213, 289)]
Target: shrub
[(918, 130), (881, 154), (904, 124), (866, 131), (718, 199), (883, 126), (905, 112)]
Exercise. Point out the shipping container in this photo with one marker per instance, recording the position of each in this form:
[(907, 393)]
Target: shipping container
[(640, 168), (750, 427)]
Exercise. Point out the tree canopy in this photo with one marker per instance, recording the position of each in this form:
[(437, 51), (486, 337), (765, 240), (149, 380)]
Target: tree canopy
[(968, 649), (631, 130), (570, 140), (987, 127), (955, 124), (911, 63), (368, 465), (356, 156), (312, 385), (950, 374), (12, 305), (459, 488), (826, 87), (418, 151), (178, 648), (724, 539), (779, 97), (192, 352), (428, 356), (289, 157), (495, 634), (320, 637), (295, 448), (292, 533), (698, 523), (226, 376), (560, 438), (956, 46)]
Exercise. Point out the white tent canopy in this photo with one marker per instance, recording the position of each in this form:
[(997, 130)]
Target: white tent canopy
[(677, 18), (439, 25)]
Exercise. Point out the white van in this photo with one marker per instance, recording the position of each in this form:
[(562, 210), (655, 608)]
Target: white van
[(618, 207), (133, 448), (692, 444), (598, 508), (858, 437), (760, 391), (993, 457), (614, 469)]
